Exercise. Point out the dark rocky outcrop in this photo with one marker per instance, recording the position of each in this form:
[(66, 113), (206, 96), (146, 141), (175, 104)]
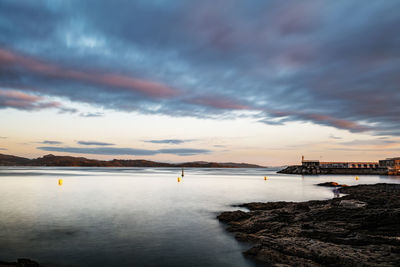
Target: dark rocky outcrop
[(20, 263), (314, 170), (359, 229), (332, 184)]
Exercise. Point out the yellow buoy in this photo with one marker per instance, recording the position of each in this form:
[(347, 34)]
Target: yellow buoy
[(59, 181), (356, 177), (179, 179), (265, 178)]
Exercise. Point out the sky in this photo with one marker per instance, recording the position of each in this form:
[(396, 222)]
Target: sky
[(261, 82)]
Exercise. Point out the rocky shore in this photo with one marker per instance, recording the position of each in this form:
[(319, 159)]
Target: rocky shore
[(20, 263), (359, 229), (313, 170)]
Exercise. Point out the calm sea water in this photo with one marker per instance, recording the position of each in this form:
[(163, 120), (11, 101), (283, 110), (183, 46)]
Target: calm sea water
[(138, 216)]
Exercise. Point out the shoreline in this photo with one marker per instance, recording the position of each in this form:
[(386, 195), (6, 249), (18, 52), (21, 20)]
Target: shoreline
[(359, 229)]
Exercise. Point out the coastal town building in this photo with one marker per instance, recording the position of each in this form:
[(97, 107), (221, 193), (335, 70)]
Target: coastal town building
[(392, 164), (332, 164)]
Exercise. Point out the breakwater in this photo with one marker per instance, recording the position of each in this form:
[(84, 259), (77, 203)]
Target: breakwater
[(314, 170)]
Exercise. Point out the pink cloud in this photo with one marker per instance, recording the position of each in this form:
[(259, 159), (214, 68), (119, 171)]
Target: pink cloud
[(338, 123), (12, 94), (149, 88), (319, 119), (20, 100)]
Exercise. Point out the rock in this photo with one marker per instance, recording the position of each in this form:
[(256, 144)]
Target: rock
[(230, 216), (359, 229), (264, 206), (329, 184), (352, 204), (20, 263), (332, 184)]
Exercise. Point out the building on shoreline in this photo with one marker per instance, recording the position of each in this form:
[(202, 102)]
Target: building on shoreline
[(315, 167), (332, 164), (392, 164)]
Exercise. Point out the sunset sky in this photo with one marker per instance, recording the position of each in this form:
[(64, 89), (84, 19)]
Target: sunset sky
[(246, 81)]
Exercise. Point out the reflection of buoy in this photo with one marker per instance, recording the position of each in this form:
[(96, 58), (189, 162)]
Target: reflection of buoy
[(265, 178), (356, 177), (179, 179), (59, 181)]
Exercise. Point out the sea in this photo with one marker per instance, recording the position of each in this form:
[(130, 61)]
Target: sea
[(140, 216)]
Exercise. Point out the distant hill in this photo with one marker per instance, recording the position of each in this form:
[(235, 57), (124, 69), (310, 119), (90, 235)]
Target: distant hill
[(8, 160), (68, 161)]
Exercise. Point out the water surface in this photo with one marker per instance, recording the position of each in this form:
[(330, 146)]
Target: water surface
[(138, 216)]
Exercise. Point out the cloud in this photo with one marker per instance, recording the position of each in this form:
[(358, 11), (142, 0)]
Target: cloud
[(217, 102), (49, 142), (20, 100), (3, 148), (63, 110), (309, 59), (280, 117), (335, 122), (169, 141), (23, 101), (94, 143), (374, 149), (126, 151), (370, 142), (91, 114), (184, 151), (335, 137), (3, 137), (51, 70)]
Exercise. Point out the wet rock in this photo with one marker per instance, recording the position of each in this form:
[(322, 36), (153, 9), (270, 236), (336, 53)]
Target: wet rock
[(229, 216), (20, 263), (359, 229), (332, 184), (352, 204)]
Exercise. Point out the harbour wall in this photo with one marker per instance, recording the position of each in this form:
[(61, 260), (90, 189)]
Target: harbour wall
[(314, 170)]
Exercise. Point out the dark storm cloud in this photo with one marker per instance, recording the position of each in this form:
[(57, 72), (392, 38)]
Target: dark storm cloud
[(94, 143), (169, 141), (333, 63), (126, 151)]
